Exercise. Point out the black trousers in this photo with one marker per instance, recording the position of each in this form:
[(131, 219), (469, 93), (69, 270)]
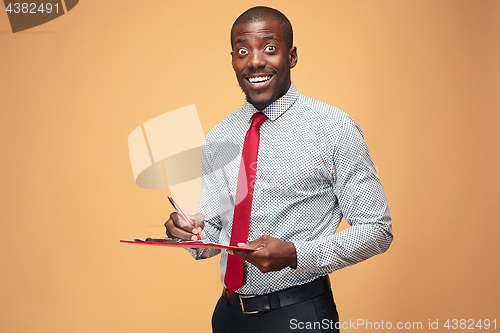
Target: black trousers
[(318, 314)]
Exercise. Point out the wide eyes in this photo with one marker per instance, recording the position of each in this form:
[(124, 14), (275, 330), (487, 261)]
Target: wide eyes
[(268, 49)]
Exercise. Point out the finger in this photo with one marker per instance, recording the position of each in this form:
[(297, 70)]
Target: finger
[(169, 222), (198, 220), (235, 252), (180, 223), (255, 244), (199, 225), (242, 254), (175, 232), (183, 234)]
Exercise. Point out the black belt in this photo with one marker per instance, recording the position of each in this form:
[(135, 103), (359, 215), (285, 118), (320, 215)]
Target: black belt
[(251, 304)]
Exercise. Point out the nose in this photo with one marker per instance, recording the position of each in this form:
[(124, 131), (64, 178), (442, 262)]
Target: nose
[(256, 60)]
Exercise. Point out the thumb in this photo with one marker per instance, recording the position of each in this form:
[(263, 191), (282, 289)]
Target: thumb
[(255, 244), (198, 220)]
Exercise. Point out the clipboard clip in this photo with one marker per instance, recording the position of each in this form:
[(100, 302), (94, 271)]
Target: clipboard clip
[(164, 240)]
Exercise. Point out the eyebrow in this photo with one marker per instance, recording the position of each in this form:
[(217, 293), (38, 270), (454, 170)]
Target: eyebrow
[(269, 37), (245, 40)]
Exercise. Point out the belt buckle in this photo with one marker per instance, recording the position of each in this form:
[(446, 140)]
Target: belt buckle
[(243, 306)]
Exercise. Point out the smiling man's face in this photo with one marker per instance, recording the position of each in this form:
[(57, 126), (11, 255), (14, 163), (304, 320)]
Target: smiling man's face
[(262, 61)]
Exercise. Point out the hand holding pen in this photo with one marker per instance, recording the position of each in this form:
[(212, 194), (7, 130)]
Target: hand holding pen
[(180, 226)]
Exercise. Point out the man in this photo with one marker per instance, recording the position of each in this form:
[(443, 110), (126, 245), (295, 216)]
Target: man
[(312, 167)]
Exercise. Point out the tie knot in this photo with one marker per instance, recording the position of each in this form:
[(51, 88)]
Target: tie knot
[(257, 119)]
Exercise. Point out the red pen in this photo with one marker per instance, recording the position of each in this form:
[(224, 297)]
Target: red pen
[(184, 217)]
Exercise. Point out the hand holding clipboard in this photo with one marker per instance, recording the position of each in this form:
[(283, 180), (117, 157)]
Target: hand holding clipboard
[(177, 242)]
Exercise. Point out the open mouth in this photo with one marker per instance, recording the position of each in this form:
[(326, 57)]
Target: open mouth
[(259, 80)]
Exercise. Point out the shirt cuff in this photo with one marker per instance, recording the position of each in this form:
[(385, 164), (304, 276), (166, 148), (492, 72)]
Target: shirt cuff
[(308, 255)]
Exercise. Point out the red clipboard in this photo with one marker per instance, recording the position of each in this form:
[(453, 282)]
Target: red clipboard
[(189, 244)]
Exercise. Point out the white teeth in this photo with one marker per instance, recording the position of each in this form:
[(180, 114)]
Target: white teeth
[(259, 79)]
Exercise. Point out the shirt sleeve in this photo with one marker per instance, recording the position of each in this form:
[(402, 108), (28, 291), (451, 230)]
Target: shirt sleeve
[(208, 205), (363, 204)]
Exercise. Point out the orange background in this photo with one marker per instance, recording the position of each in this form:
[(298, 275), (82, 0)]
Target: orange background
[(421, 78)]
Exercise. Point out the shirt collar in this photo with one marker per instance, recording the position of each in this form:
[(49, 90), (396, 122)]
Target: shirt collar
[(276, 108)]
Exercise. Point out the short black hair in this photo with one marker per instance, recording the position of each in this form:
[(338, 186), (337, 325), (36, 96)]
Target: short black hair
[(261, 13)]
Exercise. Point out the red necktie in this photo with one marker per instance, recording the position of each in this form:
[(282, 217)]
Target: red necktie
[(244, 196)]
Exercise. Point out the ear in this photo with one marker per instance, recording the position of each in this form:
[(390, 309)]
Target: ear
[(293, 57), (232, 61)]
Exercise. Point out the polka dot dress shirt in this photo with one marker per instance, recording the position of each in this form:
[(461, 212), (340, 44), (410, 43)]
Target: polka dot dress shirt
[(313, 168)]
